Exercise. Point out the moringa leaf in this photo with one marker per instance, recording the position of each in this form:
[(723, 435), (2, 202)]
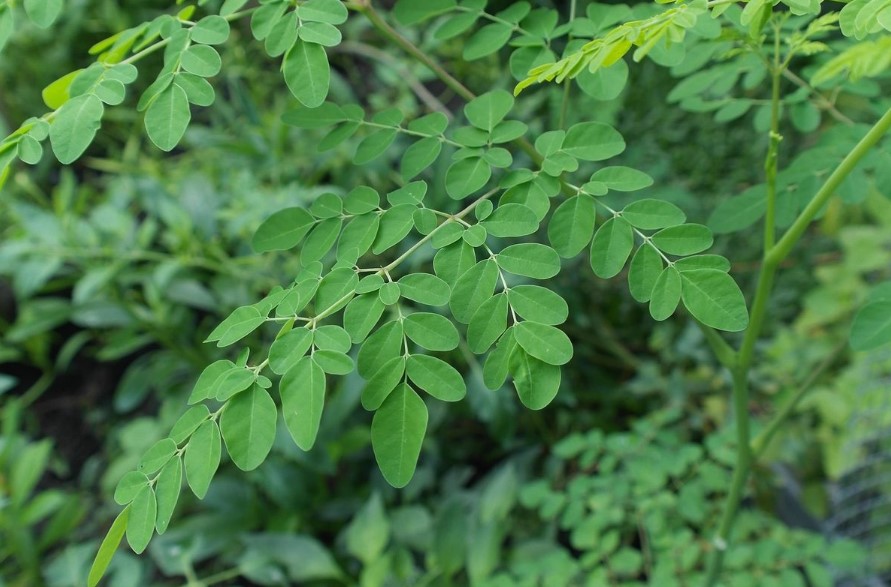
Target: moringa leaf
[(397, 432)]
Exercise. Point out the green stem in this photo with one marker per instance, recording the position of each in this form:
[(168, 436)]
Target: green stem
[(770, 162), (772, 260)]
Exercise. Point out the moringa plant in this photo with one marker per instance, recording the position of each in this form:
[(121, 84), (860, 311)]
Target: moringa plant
[(392, 284)]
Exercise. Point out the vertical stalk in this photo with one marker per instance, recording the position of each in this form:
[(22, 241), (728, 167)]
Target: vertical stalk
[(567, 84), (770, 162)]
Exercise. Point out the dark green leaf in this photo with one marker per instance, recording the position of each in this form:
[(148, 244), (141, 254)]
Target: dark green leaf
[(397, 432), (307, 73), (537, 382), (409, 12), (544, 342), (453, 261), (686, 239), (530, 260), (419, 156), (395, 225), (572, 225), (593, 141), (202, 457), (486, 111), (666, 294), (497, 365), (623, 179), (872, 326), (425, 288), (302, 391), (361, 315), (473, 288), (288, 349), (283, 230), (382, 383), (431, 331), (467, 176), (652, 214), (486, 41), (487, 324), (645, 268), (538, 304), (714, 298), (436, 377), (248, 427), (511, 220), (380, 347), (333, 362)]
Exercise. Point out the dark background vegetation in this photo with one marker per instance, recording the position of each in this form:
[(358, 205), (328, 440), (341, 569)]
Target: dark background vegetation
[(114, 269)]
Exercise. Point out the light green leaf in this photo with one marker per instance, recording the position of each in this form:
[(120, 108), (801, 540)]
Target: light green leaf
[(487, 40), (593, 141), (43, 13), (320, 240), (188, 423), (329, 11), (198, 90), (374, 145), (332, 338), (75, 126), (206, 385), (30, 150), (486, 111), (473, 288), (431, 331), (307, 73), (872, 325), (436, 377), (611, 246), (538, 304), (686, 239), (666, 294), (362, 315), (282, 36), (714, 298), (168, 117), (241, 322), (530, 260), (361, 200), (108, 547), (511, 220), (652, 214), (380, 347), (288, 349), (487, 323), (167, 489), (395, 225), (419, 156), (425, 288), (475, 236), (302, 391), (283, 230), (623, 179), (645, 268), (248, 427), (336, 289), (202, 457), (703, 262), (358, 235), (453, 261), (497, 365), (544, 342), (326, 205), (157, 456), (409, 12), (129, 487), (382, 383), (141, 521), (572, 225), (537, 382), (467, 176), (333, 362), (397, 433), (321, 33), (201, 60), (211, 30)]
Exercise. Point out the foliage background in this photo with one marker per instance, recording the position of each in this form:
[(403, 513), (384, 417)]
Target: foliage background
[(115, 269)]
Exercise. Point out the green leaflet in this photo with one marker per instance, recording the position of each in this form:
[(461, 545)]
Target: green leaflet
[(431, 331), (332, 338), (43, 13), (241, 322), (75, 126), (497, 365), (397, 432), (529, 260), (108, 547), (202, 457), (188, 423), (389, 293), (538, 304), (511, 220), (248, 427), (233, 381), (425, 288), (395, 225), (211, 30), (623, 179), (157, 456), (739, 212), (328, 11), (473, 288), (302, 391), (320, 240), (703, 262), (466, 176), (419, 156), (475, 236), (436, 377), (453, 261), (167, 489), (362, 315), (544, 342), (487, 323), (593, 141), (336, 290), (333, 362), (168, 117), (374, 145), (872, 326), (572, 225), (307, 73), (380, 347), (645, 268), (666, 294), (486, 111), (686, 239), (288, 349), (536, 382), (129, 487), (653, 214), (455, 25), (382, 383), (141, 520), (611, 246), (714, 299), (322, 33), (409, 12), (201, 60), (358, 235), (283, 230), (487, 40)]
